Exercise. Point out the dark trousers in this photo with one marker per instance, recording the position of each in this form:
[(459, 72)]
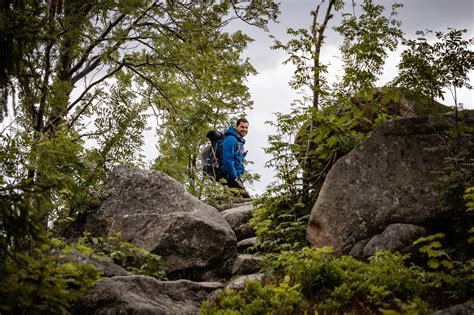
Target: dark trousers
[(232, 183)]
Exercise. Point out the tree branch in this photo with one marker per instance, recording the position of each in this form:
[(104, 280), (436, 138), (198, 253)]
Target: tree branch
[(89, 49), (152, 84), (80, 98), (95, 61)]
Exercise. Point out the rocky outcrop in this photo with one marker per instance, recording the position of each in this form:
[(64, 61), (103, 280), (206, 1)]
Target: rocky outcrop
[(390, 179), (144, 295), (153, 211)]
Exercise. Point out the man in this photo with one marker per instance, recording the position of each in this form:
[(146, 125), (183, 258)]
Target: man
[(233, 156)]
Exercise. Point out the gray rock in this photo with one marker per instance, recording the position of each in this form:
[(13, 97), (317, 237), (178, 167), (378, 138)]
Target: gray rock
[(460, 309), (239, 282), (239, 215), (103, 265), (153, 211), (396, 237), (238, 218), (389, 179), (144, 295), (357, 250), (244, 231), (246, 243), (246, 264)]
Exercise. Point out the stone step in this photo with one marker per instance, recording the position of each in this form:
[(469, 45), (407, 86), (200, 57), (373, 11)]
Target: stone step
[(239, 282), (238, 219), (246, 243), (246, 264)]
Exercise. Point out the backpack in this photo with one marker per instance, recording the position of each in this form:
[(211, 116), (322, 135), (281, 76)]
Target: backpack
[(210, 156)]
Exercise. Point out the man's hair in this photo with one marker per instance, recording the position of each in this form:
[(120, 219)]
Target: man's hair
[(241, 120)]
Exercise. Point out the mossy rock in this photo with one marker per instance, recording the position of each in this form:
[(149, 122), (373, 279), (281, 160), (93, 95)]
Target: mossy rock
[(394, 102)]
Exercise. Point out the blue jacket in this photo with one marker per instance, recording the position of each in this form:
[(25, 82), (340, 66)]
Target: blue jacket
[(233, 154)]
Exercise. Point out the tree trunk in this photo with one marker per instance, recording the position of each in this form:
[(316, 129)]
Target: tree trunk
[(318, 38)]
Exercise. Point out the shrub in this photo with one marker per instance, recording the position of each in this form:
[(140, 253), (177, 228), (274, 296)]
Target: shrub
[(280, 224), (134, 259), (258, 299), (40, 282)]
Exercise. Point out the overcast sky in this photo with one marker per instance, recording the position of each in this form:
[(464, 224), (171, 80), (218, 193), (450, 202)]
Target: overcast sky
[(269, 88)]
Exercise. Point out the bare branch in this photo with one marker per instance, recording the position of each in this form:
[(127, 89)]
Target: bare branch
[(89, 49), (95, 61), (91, 65), (80, 98)]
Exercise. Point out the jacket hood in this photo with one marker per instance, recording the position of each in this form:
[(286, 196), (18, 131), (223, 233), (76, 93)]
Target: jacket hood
[(231, 131)]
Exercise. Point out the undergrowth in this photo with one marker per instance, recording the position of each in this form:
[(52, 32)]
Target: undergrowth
[(315, 281)]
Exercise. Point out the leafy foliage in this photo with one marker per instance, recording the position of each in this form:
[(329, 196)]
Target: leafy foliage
[(84, 78), (41, 282), (125, 254), (282, 298), (428, 67), (469, 197), (327, 284), (367, 40)]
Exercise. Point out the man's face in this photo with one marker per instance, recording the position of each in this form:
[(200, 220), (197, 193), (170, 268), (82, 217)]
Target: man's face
[(242, 128)]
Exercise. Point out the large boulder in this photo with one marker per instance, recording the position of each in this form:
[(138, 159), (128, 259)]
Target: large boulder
[(145, 295), (153, 211), (392, 178)]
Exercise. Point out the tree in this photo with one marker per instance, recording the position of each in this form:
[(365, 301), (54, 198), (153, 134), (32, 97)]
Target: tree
[(428, 68), (366, 41), (305, 53), (221, 93), (93, 70), (326, 124), (85, 76)]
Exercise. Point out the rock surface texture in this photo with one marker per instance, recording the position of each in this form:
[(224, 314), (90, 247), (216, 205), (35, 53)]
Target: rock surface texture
[(396, 237), (246, 264), (238, 218), (104, 266), (153, 211), (460, 309), (390, 179), (239, 282), (145, 295)]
